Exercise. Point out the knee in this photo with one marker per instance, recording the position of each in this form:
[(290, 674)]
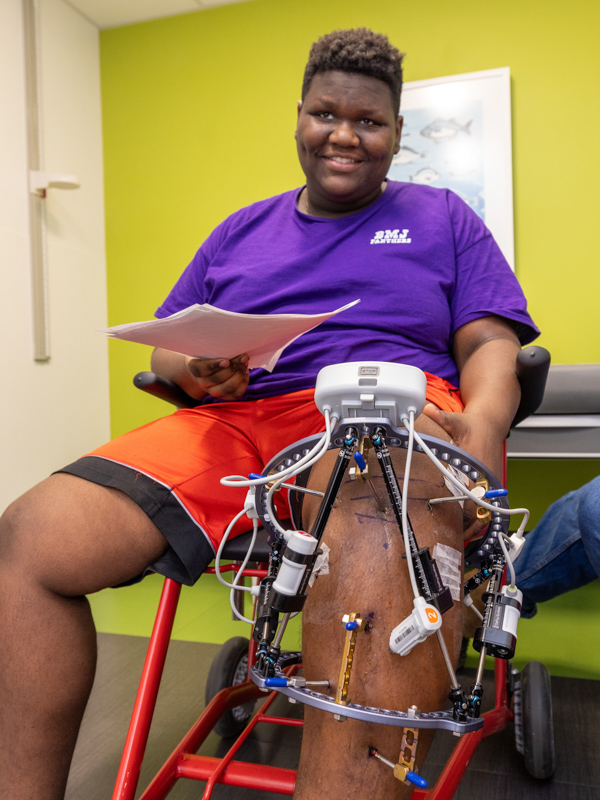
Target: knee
[(588, 513), (30, 546), (14, 531), (589, 506), (29, 536)]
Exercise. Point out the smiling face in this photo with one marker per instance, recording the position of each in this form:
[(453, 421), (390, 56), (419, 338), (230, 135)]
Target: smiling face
[(347, 135)]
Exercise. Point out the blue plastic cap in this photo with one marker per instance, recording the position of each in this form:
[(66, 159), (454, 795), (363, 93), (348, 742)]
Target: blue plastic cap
[(491, 493), (362, 464), (276, 682), (412, 777), (351, 626), (255, 475)]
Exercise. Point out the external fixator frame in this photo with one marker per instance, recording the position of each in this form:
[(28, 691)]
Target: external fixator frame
[(488, 558)]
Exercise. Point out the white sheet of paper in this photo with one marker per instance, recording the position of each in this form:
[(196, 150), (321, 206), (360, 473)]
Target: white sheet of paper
[(204, 330)]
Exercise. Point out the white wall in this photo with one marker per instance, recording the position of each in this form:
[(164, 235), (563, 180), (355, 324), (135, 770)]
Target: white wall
[(52, 412)]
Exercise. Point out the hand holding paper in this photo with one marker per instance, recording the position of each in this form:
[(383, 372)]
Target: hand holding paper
[(203, 330)]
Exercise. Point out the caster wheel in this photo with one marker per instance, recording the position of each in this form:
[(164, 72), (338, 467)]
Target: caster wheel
[(537, 733), (229, 668)]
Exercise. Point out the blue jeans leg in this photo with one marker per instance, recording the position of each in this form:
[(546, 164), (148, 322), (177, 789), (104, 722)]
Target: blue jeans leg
[(563, 550)]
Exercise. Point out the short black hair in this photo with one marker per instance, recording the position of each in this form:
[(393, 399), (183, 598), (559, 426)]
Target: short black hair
[(356, 50)]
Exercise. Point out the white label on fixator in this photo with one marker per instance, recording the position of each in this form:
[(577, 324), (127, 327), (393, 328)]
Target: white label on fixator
[(404, 634), (460, 476), (321, 564), (449, 563)]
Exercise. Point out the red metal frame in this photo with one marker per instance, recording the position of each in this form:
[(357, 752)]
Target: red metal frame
[(184, 763)]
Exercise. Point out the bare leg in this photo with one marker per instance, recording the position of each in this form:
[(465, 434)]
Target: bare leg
[(63, 539), (368, 575)]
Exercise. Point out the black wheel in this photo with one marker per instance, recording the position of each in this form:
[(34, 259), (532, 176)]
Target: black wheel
[(538, 731), (229, 668)]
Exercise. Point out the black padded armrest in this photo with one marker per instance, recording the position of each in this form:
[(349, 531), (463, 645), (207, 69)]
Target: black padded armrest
[(164, 389), (532, 368), (533, 363)]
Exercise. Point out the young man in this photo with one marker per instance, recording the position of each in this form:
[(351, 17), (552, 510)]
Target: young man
[(446, 302)]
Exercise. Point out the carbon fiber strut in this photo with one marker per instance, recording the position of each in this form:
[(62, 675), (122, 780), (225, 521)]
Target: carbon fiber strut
[(426, 569), (267, 618), (335, 481)]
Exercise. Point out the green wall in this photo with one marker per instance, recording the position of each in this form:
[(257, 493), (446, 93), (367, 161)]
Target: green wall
[(199, 112)]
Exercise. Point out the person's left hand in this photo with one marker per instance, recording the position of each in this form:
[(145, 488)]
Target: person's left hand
[(475, 434)]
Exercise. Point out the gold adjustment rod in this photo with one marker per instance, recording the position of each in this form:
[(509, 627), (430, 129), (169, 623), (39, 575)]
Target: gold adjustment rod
[(404, 770), (408, 754), (353, 624), (482, 513)]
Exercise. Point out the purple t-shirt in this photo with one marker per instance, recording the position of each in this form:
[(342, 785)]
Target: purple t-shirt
[(421, 261)]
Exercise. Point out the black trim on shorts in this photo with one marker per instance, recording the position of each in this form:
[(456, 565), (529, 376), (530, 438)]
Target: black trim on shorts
[(189, 552)]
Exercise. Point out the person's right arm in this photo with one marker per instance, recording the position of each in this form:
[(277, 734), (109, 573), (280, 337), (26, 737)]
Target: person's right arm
[(225, 378)]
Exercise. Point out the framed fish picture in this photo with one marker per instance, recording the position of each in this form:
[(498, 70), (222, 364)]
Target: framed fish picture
[(457, 135)]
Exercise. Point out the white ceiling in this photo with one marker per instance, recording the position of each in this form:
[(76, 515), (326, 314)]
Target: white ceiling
[(113, 13)]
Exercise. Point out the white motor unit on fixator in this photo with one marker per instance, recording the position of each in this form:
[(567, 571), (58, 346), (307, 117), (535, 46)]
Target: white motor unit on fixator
[(372, 389), (297, 556), (512, 612), (424, 620)]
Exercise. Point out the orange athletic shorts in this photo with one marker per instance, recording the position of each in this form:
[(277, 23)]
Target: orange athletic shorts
[(172, 467)]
